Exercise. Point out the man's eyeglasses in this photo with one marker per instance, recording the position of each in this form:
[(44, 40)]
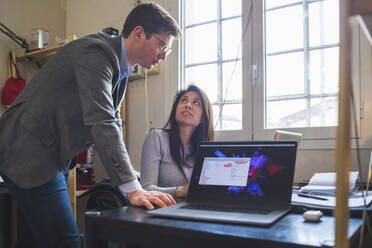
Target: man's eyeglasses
[(164, 48)]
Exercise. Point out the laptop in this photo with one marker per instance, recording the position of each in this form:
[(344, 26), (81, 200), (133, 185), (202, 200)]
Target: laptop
[(238, 182), (285, 135)]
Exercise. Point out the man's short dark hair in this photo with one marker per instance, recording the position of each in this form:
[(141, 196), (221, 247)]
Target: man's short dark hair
[(154, 20)]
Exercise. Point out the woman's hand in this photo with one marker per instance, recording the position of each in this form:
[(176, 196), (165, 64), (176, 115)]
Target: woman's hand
[(181, 192)]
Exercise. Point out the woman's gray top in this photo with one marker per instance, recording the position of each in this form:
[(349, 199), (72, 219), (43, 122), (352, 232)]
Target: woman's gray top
[(159, 171)]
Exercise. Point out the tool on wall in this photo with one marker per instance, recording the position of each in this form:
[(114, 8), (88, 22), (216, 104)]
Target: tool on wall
[(20, 41)]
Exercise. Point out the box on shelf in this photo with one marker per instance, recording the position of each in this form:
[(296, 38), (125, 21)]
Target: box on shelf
[(39, 38)]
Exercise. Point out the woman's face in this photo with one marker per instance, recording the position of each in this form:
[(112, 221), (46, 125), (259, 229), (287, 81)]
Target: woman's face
[(189, 110)]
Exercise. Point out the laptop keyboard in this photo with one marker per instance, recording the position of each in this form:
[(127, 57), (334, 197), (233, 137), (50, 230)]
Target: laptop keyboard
[(226, 209)]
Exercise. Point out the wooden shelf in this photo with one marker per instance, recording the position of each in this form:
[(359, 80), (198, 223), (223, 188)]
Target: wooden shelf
[(40, 56), (80, 192)]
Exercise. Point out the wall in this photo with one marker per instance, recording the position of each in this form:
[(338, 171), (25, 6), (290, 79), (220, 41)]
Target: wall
[(21, 16)]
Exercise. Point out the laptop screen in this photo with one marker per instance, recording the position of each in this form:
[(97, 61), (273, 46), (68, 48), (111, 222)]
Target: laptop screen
[(244, 172)]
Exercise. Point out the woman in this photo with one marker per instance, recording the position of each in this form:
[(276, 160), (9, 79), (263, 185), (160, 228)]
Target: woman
[(168, 154)]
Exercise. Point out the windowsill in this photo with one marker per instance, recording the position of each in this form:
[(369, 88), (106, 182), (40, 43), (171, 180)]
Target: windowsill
[(305, 144)]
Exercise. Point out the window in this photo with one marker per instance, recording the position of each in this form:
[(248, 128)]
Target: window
[(301, 58), (296, 54), (212, 56), (277, 59)]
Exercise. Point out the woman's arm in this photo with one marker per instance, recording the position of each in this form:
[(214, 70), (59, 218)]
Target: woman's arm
[(150, 164)]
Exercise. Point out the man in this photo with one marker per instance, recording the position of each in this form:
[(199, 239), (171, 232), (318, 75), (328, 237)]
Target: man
[(71, 103)]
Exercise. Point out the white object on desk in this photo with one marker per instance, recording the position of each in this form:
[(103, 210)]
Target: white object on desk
[(326, 182), (312, 215)]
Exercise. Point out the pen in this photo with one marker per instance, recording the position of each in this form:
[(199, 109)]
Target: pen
[(312, 196)]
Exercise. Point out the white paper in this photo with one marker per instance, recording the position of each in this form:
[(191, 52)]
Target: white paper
[(326, 182), (329, 178)]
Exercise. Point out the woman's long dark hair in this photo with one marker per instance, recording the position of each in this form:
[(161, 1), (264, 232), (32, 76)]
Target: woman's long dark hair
[(203, 132)]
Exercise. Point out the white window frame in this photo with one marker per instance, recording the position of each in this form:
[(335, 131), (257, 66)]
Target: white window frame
[(313, 137), (253, 87), (246, 131)]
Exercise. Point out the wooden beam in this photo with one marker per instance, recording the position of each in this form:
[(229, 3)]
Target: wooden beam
[(72, 190), (343, 159)]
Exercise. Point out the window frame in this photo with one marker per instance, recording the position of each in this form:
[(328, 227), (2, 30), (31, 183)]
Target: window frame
[(313, 137), (220, 134), (253, 97)]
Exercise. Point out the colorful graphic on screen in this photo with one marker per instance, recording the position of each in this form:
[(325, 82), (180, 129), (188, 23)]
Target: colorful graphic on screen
[(260, 168)]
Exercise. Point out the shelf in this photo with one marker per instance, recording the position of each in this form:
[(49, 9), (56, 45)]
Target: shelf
[(40, 56)]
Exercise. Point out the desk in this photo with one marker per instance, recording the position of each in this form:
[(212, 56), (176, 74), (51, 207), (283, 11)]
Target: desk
[(132, 226)]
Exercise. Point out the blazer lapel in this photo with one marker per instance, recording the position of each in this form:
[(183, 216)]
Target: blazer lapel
[(118, 87)]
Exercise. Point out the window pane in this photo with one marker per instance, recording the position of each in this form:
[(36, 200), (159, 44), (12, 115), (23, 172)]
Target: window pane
[(231, 8), (277, 3), (284, 29), (216, 121), (231, 117), (231, 38), (285, 74), (286, 114), (324, 71), (324, 22), (323, 112), (201, 43), (205, 77), (232, 80), (197, 11)]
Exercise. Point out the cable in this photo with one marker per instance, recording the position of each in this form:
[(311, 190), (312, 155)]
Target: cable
[(235, 63), (20, 41)]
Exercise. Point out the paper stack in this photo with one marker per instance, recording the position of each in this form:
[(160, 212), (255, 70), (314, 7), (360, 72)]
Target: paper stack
[(326, 182), (319, 193)]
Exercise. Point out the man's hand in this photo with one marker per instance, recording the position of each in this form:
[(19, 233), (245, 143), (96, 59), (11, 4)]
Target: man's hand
[(148, 198)]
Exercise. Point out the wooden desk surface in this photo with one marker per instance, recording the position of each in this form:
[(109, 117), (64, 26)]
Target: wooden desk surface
[(133, 226)]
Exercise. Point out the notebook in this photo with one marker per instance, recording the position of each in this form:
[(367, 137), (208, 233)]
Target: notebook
[(238, 182)]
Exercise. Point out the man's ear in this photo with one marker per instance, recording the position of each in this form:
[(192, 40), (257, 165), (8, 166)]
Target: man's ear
[(138, 32)]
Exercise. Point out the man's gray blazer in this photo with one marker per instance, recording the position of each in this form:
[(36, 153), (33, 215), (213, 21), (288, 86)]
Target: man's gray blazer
[(70, 104)]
